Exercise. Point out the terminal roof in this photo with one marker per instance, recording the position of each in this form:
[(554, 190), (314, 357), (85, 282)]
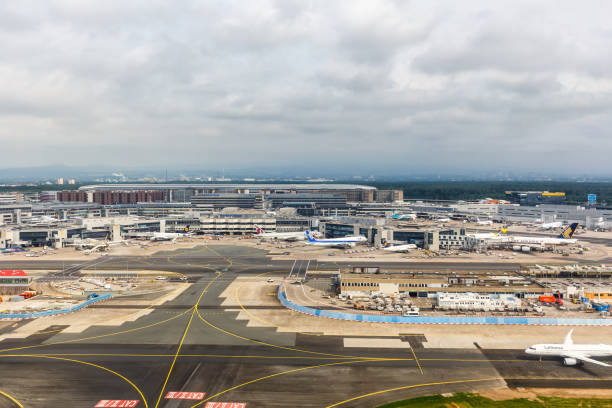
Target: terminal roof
[(12, 273)]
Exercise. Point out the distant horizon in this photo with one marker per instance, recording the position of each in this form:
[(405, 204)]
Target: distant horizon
[(288, 172), (106, 174)]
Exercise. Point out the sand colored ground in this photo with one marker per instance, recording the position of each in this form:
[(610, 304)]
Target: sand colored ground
[(501, 394), (87, 317), (255, 291)]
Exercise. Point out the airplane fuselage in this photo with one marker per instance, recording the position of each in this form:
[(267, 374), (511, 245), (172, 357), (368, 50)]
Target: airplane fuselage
[(559, 350), (400, 248), (572, 354), (344, 242), (288, 236), (541, 240)]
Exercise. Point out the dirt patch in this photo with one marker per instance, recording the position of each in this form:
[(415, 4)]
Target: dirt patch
[(501, 394)]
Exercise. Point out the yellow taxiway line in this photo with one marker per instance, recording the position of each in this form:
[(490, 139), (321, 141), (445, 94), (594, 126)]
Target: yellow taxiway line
[(12, 399), (275, 375), (144, 400), (412, 386), (417, 360), (178, 351)]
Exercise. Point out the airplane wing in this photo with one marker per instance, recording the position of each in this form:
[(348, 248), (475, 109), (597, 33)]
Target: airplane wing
[(586, 359)]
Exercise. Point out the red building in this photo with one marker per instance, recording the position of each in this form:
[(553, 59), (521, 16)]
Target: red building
[(13, 282), (113, 197)]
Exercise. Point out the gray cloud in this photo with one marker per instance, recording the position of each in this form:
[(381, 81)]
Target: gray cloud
[(396, 85)]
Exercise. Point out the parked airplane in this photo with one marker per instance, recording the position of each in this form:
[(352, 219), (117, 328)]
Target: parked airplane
[(571, 353), (345, 242), (565, 238), (410, 216), (550, 225), (99, 247), (105, 246), (483, 222), (43, 219), (286, 236), (397, 248), (87, 243), (170, 236)]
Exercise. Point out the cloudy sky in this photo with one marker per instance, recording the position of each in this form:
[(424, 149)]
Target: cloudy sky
[(386, 86)]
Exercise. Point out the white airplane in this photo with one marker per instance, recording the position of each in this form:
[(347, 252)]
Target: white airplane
[(398, 248), (572, 353), (550, 225), (565, 238), (286, 236), (410, 216), (90, 244), (345, 242), (43, 219), (484, 222), (105, 246), (84, 244), (170, 236)]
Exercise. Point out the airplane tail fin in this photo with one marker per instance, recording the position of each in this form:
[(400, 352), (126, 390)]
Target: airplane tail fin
[(568, 233), (568, 339), (385, 243), (308, 237), (186, 228), (504, 229), (258, 230)]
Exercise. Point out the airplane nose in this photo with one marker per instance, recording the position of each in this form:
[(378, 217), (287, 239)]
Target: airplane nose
[(528, 351)]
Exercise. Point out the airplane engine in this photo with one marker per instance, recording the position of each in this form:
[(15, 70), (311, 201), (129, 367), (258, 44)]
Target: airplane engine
[(569, 361)]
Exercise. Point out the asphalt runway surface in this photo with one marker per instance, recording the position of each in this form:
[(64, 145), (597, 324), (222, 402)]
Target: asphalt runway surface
[(193, 344)]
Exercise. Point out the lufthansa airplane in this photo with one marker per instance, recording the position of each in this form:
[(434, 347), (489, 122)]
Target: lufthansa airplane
[(572, 353)]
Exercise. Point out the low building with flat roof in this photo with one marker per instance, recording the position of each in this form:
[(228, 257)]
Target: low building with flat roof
[(356, 284), (535, 197), (428, 284), (477, 301), (13, 282)]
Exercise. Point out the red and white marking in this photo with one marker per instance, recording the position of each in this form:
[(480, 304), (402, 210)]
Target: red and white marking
[(117, 403), (225, 405), (185, 395)]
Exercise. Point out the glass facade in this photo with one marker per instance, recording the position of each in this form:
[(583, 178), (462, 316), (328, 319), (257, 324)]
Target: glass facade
[(411, 237), (338, 230)]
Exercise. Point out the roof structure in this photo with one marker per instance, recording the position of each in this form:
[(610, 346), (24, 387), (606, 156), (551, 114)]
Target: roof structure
[(12, 273)]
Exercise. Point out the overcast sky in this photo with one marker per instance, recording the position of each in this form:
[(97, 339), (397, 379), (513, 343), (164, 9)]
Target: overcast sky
[(397, 85)]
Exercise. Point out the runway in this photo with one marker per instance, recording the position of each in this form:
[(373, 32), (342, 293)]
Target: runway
[(193, 343)]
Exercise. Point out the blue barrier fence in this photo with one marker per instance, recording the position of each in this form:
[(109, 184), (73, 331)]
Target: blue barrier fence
[(548, 321), (54, 312)]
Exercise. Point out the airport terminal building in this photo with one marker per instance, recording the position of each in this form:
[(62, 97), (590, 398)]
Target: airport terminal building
[(184, 192)]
